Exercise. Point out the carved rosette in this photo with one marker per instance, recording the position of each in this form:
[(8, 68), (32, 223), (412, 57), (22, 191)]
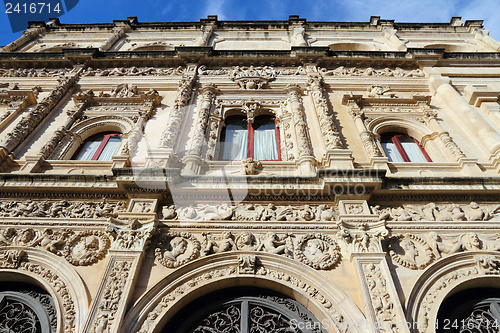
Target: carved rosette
[(410, 251), (318, 251), (169, 135), (87, 248), (176, 249), (328, 128)]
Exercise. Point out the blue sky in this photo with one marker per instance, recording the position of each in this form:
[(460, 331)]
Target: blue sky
[(103, 11)]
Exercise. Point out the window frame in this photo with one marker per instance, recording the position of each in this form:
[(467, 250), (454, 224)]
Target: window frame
[(395, 138), (99, 149), (250, 136)]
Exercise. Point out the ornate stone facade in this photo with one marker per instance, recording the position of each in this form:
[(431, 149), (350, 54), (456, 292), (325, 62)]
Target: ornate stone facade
[(153, 165)]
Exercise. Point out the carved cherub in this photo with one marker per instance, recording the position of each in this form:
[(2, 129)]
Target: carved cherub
[(273, 244)]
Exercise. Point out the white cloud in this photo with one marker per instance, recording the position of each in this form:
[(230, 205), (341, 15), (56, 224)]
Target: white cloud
[(215, 7)]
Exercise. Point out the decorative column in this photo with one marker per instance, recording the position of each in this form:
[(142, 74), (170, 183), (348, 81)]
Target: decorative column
[(306, 159), (27, 36), (164, 154), (28, 123), (193, 159), (468, 118), (363, 233), (368, 138), (335, 156), (131, 232), (117, 34)]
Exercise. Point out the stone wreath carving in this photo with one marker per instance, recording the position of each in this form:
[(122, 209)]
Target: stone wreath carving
[(318, 251), (410, 251), (87, 247), (78, 248), (176, 249), (315, 250)]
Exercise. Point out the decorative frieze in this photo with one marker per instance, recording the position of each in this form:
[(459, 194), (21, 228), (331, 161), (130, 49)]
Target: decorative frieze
[(439, 212), (61, 208), (251, 212), (80, 248), (370, 71), (134, 71), (318, 251)]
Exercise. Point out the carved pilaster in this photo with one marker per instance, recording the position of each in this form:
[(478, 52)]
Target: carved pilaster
[(306, 158), (368, 138), (363, 233), (29, 122), (131, 239), (27, 36), (214, 130), (152, 99), (328, 128), (193, 159)]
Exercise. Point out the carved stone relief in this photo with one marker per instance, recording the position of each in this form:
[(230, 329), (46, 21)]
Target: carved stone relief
[(111, 296), (61, 209), (315, 250), (134, 71), (369, 71), (168, 137), (382, 303), (251, 77), (78, 248), (132, 235), (271, 71), (410, 251), (252, 212), (440, 212), (328, 128), (176, 249), (32, 72)]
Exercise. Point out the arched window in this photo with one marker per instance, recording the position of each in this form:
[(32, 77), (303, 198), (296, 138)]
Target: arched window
[(246, 310), (258, 140), (470, 311), (99, 147), (25, 308), (403, 148)]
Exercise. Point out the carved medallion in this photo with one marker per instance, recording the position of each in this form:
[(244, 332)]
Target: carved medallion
[(410, 251), (87, 248), (318, 251), (176, 249)]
